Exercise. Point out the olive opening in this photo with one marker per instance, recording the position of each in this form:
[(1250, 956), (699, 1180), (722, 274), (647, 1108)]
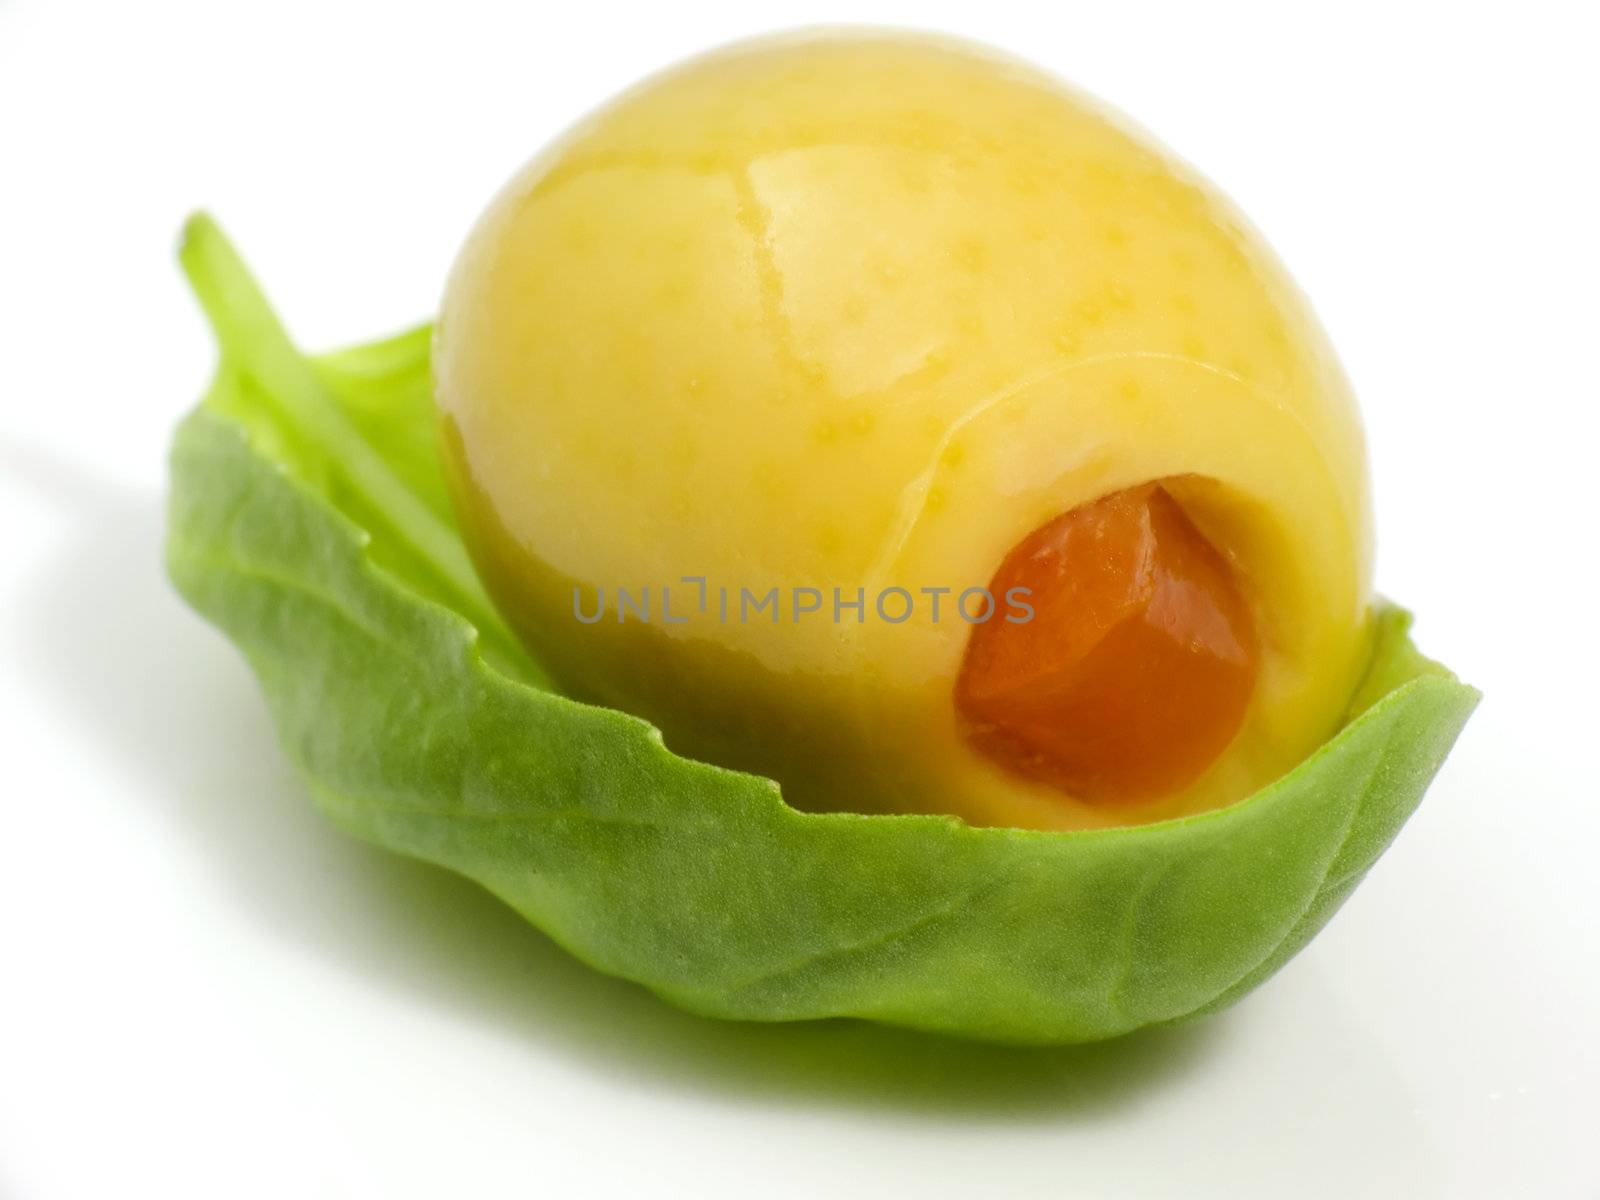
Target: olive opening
[(1137, 666)]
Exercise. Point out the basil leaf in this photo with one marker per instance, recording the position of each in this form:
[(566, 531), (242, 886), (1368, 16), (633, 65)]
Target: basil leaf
[(308, 521)]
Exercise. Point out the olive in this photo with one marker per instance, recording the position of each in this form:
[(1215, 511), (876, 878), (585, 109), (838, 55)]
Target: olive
[(766, 381)]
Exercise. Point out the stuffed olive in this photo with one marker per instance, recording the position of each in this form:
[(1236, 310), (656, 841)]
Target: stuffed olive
[(881, 415)]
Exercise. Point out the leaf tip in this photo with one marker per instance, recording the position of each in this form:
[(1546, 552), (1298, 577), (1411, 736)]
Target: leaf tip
[(198, 227)]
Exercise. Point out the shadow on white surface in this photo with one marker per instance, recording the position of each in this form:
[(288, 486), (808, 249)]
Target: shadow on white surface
[(168, 702)]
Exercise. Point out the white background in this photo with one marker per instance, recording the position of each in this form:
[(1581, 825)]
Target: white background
[(206, 991)]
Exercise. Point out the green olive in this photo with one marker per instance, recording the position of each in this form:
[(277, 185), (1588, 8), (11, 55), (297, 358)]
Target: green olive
[(844, 317)]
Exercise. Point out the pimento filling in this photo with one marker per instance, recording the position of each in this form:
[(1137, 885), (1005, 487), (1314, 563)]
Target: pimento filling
[(1137, 666)]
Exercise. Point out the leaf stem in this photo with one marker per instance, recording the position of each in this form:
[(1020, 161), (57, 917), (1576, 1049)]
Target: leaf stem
[(252, 337)]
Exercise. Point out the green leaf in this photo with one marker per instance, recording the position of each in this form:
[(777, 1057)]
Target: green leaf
[(308, 520)]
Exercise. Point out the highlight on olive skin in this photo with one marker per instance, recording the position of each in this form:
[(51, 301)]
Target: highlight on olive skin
[(882, 311)]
